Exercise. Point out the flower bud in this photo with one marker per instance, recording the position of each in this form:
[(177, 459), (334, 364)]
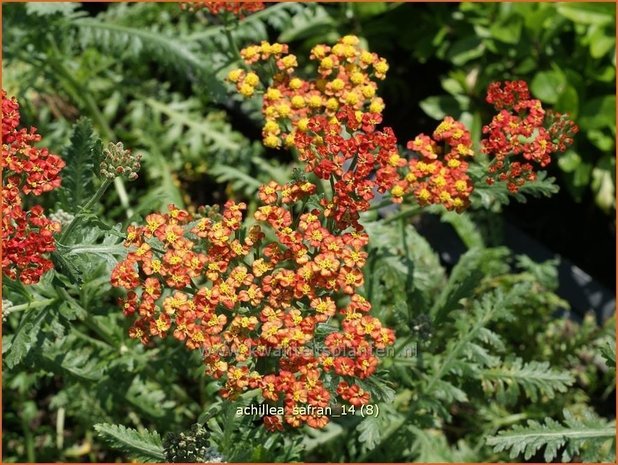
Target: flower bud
[(118, 161)]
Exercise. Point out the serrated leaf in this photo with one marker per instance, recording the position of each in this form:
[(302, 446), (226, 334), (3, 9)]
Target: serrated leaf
[(80, 157), (589, 435), (143, 446), (535, 379)]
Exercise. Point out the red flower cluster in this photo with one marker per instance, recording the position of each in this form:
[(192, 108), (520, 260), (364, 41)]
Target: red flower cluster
[(440, 176), (522, 134), (357, 164), (240, 8), (279, 314), (27, 235)]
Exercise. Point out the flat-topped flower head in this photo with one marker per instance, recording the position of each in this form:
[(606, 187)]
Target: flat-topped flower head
[(27, 170)]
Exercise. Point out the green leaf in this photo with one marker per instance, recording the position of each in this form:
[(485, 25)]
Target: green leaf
[(590, 436), (83, 151), (569, 161), (51, 8), (466, 229), (601, 42), (603, 183), (568, 101), (440, 106), (535, 379), (308, 23), (609, 353), (465, 277), (588, 13), (598, 113), (370, 430), (508, 30), (145, 446), (548, 85), (466, 49), (26, 335)]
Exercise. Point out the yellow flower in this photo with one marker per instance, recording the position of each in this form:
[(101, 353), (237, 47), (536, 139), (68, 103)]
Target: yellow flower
[(246, 90), (296, 84), (332, 104), (298, 101), (272, 141), (315, 101), (337, 84), (350, 40), (252, 79), (235, 75)]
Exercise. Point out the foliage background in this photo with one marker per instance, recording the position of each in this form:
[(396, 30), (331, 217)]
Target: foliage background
[(151, 75)]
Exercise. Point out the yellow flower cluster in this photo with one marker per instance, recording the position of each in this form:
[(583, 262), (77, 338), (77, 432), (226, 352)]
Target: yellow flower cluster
[(346, 75)]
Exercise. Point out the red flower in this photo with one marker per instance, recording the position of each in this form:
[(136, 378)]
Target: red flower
[(27, 235)]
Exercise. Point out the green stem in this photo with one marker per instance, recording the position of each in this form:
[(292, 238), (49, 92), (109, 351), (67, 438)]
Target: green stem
[(31, 305), (94, 199), (29, 441), (227, 29), (79, 93)]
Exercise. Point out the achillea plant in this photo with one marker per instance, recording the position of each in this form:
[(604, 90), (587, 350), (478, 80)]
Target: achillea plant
[(277, 305), (27, 234), (239, 9), (522, 134)]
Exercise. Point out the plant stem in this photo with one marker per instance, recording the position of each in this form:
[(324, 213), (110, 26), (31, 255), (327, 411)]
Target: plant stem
[(80, 93), (31, 305), (227, 29), (94, 199)]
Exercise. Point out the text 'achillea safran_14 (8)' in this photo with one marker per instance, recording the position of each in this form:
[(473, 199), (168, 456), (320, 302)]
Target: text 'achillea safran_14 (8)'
[(275, 302)]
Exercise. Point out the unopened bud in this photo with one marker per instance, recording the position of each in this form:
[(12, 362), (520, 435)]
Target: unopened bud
[(118, 161)]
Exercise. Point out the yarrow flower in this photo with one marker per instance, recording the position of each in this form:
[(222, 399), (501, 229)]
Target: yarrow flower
[(345, 77), (522, 135), (274, 302), (239, 8), (27, 234), (281, 315), (440, 175)]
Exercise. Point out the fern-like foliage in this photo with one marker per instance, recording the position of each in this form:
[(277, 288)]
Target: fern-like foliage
[(489, 196), (608, 350), (535, 379), (465, 277), (145, 446), (80, 156), (588, 438), (135, 43)]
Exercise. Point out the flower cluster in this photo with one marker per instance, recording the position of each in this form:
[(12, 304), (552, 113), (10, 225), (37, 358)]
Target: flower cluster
[(27, 234), (331, 120), (345, 77), (357, 159), (440, 175), (277, 307), (239, 8), (281, 315), (274, 301), (118, 161), (522, 135)]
